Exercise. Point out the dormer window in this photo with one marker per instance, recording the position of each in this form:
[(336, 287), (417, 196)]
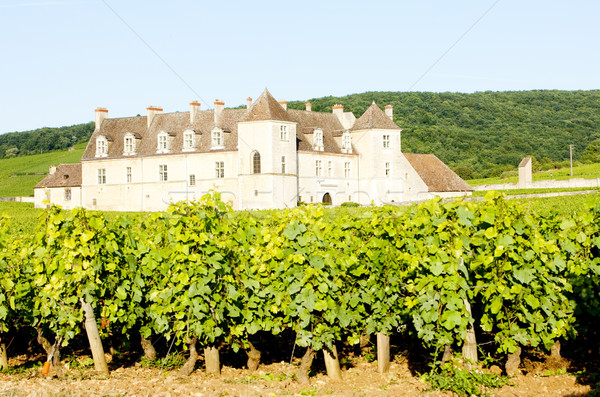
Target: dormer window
[(217, 139), (163, 143), (101, 146), (188, 140), (283, 132), (346, 143), (318, 140), (129, 145)]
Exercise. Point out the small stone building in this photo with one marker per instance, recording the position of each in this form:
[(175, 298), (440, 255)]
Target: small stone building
[(262, 156), (62, 187)]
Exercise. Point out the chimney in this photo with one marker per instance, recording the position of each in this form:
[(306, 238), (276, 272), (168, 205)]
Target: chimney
[(194, 110), (219, 106), (101, 114), (152, 111), (248, 103), (52, 170), (283, 104), (389, 111), (338, 110), (308, 107)]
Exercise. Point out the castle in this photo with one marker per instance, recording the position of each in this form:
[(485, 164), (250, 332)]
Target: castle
[(262, 156)]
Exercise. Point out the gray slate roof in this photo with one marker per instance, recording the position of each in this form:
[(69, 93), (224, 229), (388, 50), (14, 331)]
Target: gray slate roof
[(374, 118), (436, 175), (66, 175), (265, 108)]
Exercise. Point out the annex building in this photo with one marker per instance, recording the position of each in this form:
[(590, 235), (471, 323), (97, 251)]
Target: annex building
[(262, 156)]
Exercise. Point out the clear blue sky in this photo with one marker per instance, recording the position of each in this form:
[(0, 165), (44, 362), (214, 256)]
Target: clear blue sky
[(61, 59)]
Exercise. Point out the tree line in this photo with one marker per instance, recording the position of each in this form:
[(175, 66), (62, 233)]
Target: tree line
[(478, 135), (485, 133), (43, 140)]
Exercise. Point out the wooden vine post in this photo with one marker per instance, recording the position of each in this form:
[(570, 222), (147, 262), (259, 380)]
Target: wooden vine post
[(469, 349), (91, 329), (212, 361), (3, 355), (383, 353), (332, 363)]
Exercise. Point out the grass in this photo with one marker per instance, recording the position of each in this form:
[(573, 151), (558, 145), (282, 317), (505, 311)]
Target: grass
[(515, 192), (586, 171), (565, 205), (19, 175), (25, 218)]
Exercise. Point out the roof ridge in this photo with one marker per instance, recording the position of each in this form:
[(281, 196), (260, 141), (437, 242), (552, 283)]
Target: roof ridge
[(266, 108), (372, 118)]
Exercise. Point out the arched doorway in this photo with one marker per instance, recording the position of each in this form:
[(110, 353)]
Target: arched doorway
[(327, 198)]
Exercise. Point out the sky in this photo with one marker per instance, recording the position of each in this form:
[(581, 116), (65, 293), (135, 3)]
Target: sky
[(59, 60)]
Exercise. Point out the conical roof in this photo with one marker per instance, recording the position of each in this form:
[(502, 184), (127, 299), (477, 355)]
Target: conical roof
[(373, 118), (267, 108)]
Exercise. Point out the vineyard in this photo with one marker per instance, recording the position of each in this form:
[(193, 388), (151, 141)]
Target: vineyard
[(463, 280)]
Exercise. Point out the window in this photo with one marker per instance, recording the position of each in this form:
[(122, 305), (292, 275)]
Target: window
[(318, 139), (188, 140), (163, 145), (386, 141), (346, 143), (283, 132), (129, 145), (162, 173), (283, 164), (101, 147), (318, 168), (256, 163), (192, 179), (347, 170), (128, 174), (387, 169), (67, 194), (101, 176), (220, 169), (330, 168), (217, 138)]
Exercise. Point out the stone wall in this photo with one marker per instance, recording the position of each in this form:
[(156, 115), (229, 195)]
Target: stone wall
[(546, 184)]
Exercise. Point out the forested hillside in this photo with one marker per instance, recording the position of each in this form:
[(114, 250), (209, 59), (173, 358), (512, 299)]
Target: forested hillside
[(485, 133), (478, 135), (43, 140)]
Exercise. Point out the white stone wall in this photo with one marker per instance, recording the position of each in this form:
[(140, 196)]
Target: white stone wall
[(374, 185), (44, 196), (146, 192), (312, 188), (271, 188), (546, 184)]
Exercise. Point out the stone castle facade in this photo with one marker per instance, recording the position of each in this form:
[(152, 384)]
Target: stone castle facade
[(262, 156)]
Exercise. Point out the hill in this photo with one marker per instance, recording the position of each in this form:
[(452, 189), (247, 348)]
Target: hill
[(19, 175), (43, 140), (485, 133), (478, 135)]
